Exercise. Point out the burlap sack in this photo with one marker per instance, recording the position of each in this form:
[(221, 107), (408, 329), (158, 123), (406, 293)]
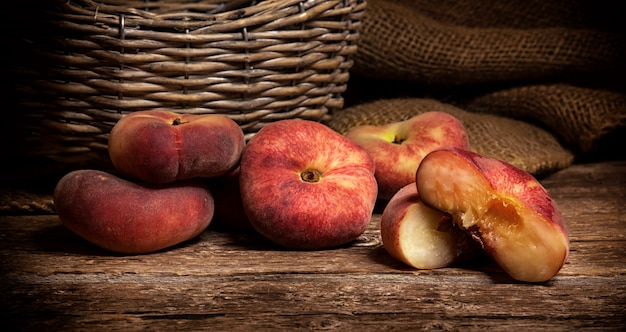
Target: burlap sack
[(469, 42), (517, 142), (579, 116), (556, 67)]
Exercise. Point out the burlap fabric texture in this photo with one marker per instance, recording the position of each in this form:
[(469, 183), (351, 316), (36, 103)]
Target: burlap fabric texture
[(471, 42), (555, 65), (579, 116)]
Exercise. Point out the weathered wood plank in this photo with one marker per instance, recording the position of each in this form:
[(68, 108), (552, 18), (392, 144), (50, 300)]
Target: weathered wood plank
[(46, 248), (220, 281), (370, 297)]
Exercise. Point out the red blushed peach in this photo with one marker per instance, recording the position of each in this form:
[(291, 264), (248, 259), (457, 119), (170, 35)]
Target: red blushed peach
[(159, 146), (503, 207), (398, 148), (305, 186), (128, 217)]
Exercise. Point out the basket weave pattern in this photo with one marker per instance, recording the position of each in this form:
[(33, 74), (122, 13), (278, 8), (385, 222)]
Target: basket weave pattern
[(256, 63)]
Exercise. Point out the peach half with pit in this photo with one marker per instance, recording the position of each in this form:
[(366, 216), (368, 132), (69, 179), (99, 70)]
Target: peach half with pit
[(504, 208)]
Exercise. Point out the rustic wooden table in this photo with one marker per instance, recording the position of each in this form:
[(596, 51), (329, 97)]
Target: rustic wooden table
[(53, 280)]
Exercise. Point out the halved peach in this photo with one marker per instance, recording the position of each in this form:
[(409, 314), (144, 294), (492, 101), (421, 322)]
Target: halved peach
[(503, 207)]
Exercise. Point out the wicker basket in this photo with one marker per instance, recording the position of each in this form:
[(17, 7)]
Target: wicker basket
[(255, 62)]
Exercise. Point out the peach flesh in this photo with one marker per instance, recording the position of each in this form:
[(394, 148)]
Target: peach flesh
[(421, 236)]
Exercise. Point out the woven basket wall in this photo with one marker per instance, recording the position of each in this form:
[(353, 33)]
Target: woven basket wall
[(255, 62)]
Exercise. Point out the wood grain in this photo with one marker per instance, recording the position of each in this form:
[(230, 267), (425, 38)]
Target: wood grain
[(54, 280)]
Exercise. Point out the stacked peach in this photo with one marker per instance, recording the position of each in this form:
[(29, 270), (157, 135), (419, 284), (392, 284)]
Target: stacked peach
[(445, 203), (155, 198)]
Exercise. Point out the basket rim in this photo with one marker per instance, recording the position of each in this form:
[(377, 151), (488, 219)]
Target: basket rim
[(270, 14)]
